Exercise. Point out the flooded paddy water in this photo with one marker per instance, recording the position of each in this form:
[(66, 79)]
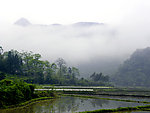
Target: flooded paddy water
[(146, 99), (68, 104)]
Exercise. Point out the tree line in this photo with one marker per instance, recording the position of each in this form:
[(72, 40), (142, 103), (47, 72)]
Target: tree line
[(29, 66)]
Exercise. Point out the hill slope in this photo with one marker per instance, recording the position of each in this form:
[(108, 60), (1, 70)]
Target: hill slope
[(136, 70)]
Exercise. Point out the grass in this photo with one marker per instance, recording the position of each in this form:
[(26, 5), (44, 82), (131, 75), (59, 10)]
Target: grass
[(124, 90), (133, 92), (39, 95), (110, 91), (71, 87), (137, 108), (27, 102)]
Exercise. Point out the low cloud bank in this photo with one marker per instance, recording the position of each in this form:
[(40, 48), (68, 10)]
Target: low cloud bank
[(80, 45)]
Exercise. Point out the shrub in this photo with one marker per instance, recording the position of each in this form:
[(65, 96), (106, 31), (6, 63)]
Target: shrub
[(14, 92)]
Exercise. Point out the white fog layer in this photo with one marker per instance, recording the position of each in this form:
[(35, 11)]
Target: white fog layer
[(91, 46)]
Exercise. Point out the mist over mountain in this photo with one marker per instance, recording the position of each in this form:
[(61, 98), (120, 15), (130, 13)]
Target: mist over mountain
[(25, 22), (87, 24), (135, 70), (90, 46), (78, 32), (22, 22)]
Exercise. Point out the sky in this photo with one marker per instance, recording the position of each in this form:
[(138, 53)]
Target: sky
[(68, 11), (126, 28)]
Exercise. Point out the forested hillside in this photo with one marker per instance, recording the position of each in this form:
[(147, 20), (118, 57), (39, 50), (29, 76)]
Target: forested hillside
[(136, 70)]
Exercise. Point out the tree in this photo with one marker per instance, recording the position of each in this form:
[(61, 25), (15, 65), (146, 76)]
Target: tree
[(135, 70), (42, 72), (2, 75), (13, 62), (75, 72), (32, 63), (1, 50), (1, 60), (99, 77), (54, 68), (60, 63)]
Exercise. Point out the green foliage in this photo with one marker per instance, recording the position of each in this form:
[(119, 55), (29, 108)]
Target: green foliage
[(135, 71), (120, 109), (11, 62), (32, 69), (5, 82), (48, 93), (99, 77), (2, 76), (1, 50), (14, 92)]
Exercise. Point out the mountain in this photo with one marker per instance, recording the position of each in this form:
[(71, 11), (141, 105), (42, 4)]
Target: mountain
[(87, 24), (135, 71), (56, 24), (22, 22), (77, 31)]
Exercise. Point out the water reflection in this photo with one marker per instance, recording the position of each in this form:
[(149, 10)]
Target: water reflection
[(69, 105), (147, 99)]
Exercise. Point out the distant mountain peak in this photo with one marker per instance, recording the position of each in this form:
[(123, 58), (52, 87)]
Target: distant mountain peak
[(22, 22), (25, 22), (87, 24), (56, 24)]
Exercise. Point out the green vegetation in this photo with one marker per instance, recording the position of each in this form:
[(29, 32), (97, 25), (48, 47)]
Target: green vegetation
[(16, 92), (99, 77), (135, 71), (17, 69), (134, 92), (137, 108), (30, 68), (27, 103)]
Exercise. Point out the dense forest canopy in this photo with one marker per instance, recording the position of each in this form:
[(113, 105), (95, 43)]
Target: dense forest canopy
[(135, 71), (32, 69)]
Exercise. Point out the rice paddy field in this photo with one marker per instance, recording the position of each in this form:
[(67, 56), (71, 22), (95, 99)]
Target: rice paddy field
[(74, 99)]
